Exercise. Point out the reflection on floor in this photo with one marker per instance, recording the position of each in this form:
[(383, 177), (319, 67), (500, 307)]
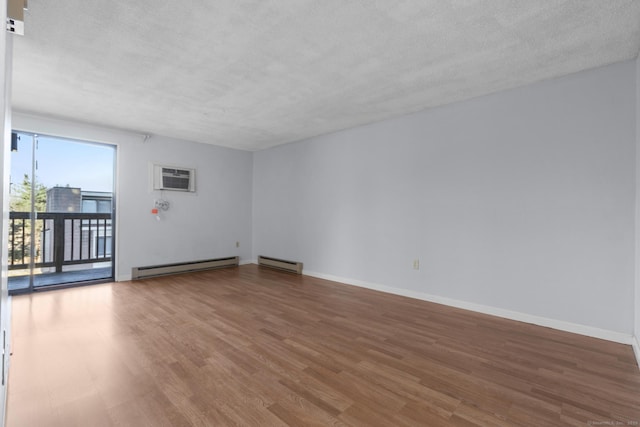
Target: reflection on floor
[(48, 279)]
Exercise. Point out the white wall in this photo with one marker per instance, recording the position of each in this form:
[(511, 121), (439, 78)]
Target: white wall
[(637, 256), (522, 200), (6, 60), (200, 225)]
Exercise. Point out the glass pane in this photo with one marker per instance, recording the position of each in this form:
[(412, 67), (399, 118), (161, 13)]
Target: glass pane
[(20, 236), (104, 206), (89, 206)]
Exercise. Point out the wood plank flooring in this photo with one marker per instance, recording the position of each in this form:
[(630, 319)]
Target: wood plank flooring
[(250, 346)]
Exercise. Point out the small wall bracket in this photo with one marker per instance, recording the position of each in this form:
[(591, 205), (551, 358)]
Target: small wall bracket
[(15, 16)]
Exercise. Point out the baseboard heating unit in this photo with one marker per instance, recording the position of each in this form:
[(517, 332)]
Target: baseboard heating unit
[(183, 267), (280, 264)]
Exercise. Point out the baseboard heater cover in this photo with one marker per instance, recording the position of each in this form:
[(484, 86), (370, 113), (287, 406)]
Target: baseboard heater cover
[(183, 267), (280, 264)]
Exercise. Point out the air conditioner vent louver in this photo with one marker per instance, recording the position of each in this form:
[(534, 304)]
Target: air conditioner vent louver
[(173, 178), (177, 179)]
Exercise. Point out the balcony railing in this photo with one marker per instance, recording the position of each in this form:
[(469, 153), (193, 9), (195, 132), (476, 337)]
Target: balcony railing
[(60, 239)]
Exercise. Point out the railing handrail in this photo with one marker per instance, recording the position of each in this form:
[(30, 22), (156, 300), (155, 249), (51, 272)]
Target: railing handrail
[(83, 248), (54, 215)]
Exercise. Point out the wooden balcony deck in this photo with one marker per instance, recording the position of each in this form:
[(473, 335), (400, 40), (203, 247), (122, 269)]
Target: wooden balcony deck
[(18, 283)]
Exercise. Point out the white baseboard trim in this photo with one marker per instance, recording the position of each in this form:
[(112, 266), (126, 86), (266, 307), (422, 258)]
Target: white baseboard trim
[(561, 325), (123, 278), (248, 261), (636, 348)]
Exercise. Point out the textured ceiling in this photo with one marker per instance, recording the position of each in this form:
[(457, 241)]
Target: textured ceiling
[(252, 74)]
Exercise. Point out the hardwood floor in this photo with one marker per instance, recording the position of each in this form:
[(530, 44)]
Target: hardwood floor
[(251, 346)]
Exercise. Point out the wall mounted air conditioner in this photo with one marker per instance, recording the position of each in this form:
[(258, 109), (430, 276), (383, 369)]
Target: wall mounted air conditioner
[(174, 178)]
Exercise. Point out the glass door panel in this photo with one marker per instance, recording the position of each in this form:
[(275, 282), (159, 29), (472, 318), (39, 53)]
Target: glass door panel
[(73, 207)]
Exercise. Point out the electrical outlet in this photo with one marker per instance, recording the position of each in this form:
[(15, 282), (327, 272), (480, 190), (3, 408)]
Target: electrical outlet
[(237, 244), (416, 264)]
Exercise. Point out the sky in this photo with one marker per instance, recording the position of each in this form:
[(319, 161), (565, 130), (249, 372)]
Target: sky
[(63, 162)]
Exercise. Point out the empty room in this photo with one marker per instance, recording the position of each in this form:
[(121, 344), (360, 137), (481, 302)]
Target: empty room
[(312, 213)]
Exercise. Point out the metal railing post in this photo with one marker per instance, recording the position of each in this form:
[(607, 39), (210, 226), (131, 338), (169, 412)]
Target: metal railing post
[(58, 242)]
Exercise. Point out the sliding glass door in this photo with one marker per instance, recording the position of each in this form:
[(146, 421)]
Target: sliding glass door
[(62, 217)]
